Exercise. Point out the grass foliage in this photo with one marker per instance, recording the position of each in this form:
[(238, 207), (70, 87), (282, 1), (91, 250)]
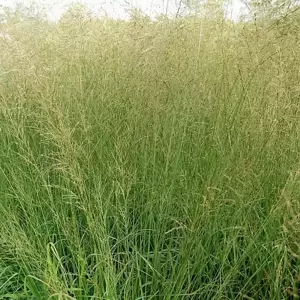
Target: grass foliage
[(150, 160)]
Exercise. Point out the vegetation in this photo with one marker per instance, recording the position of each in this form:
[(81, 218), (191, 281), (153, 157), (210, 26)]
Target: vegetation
[(150, 159)]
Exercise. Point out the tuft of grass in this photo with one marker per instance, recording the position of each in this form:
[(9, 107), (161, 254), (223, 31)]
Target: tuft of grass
[(149, 160)]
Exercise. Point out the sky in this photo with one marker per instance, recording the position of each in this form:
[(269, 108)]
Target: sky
[(116, 8)]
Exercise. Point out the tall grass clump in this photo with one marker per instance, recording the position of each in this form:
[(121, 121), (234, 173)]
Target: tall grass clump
[(150, 159)]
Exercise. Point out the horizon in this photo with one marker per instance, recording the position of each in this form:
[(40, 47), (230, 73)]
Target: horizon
[(117, 9)]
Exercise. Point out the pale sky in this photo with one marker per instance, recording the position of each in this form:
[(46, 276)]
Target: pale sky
[(116, 8)]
